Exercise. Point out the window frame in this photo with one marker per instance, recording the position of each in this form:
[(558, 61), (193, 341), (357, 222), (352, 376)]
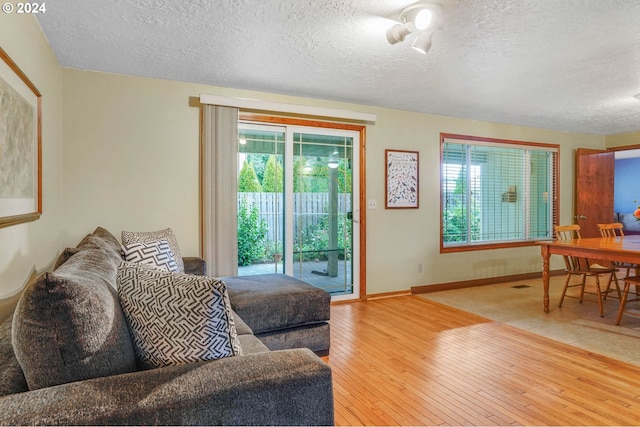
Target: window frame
[(471, 140)]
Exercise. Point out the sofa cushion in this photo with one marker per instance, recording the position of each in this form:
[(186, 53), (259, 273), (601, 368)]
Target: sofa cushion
[(64, 256), (241, 327), (99, 238), (11, 376), (108, 248), (103, 239), (176, 318), (108, 239), (129, 237), (250, 344), (68, 325), (316, 337), (270, 302), (156, 255), (194, 265)]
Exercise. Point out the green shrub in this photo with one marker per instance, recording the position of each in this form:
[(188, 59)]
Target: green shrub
[(252, 232), (316, 240), (455, 223), (248, 180), (272, 182)]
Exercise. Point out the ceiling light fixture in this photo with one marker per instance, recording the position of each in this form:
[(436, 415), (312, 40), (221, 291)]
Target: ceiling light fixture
[(422, 43), (398, 32), (422, 17)]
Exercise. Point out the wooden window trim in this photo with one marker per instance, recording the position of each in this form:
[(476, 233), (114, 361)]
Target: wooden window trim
[(499, 245)]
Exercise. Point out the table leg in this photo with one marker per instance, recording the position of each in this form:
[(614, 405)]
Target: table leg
[(544, 249)]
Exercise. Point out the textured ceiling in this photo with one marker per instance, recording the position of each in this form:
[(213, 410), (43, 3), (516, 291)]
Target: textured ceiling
[(571, 65)]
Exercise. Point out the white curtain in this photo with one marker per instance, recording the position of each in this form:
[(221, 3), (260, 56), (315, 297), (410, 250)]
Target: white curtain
[(219, 190)]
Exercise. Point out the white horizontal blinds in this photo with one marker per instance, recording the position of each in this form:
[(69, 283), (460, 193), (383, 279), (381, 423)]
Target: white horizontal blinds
[(456, 192), (496, 192), (500, 195), (542, 206)]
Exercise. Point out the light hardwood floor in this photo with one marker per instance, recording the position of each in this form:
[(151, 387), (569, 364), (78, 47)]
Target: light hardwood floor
[(410, 361)]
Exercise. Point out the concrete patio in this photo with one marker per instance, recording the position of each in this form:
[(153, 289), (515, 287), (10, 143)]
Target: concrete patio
[(312, 272)]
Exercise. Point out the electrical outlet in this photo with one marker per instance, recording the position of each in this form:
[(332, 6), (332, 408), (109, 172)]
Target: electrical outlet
[(372, 204), (420, 268)]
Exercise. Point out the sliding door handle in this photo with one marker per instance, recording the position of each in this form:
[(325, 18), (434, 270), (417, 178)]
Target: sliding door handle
[(356, 216)]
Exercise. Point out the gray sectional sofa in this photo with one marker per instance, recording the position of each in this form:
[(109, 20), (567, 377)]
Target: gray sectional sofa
[(67, 358)]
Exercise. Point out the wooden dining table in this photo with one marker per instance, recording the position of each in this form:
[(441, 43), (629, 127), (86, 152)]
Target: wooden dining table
[(622, 249)]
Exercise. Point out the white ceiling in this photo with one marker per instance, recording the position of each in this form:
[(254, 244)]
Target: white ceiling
[(570, 65)]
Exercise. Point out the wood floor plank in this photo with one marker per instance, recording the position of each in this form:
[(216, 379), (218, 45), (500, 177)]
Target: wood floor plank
[(408, 361)]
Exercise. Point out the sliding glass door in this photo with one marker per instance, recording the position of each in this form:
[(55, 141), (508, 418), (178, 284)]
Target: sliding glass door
[(297, 200)]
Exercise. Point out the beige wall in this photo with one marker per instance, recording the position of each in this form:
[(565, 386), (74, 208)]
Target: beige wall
[(399, 241), (130, 156), (623, 139), (131, 163), (29, 248)]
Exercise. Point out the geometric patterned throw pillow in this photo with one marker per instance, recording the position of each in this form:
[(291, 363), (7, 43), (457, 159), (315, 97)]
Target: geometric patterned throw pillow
[(176, 318), (129, 237), (156, 254)]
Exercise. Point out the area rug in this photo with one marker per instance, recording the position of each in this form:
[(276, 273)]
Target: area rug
[(519, 304)]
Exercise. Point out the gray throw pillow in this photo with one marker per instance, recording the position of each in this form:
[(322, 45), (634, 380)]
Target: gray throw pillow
[(176, 318), (69, 326), (129, 237)]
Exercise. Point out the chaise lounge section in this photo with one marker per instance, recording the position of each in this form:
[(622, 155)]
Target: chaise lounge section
[(283, 312)]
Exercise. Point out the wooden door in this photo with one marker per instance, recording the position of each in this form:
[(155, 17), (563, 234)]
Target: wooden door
[(593, 189)]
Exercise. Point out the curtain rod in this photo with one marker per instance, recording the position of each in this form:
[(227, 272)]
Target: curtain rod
[(259, 105)]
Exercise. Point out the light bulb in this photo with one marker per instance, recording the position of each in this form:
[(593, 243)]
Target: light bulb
[(423, 19)]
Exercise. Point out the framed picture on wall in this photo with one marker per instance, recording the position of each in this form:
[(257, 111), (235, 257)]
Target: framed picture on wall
[(20, 146), (401, 179)]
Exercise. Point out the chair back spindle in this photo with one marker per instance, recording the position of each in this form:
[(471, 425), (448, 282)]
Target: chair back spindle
[(613, 229)]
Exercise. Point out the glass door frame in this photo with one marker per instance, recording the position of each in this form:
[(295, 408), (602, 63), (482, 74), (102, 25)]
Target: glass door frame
[(359, 214), (355, 207)]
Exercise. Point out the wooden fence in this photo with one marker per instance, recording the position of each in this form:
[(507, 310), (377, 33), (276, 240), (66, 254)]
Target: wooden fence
[(308, 208)]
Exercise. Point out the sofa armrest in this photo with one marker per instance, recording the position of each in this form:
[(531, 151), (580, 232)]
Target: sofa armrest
[(291, 387), (195, 265)]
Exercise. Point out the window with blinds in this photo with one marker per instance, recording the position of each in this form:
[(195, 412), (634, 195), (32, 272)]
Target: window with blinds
[(496, 193)]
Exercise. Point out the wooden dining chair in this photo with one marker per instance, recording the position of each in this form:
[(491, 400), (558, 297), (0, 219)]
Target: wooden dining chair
[(628, 281), (579, 266), (614, 229)]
